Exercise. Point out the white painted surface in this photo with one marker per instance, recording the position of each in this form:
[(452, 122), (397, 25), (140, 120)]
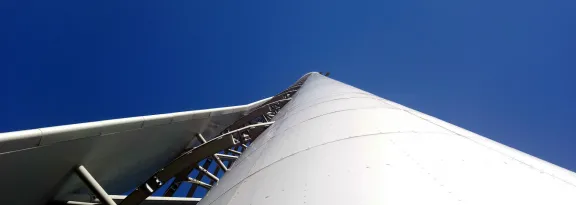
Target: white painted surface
[(36, 165), (12, 141), (335, 144)]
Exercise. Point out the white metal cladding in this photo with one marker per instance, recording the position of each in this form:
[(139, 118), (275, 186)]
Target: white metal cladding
[(35, 164), (336, 144)]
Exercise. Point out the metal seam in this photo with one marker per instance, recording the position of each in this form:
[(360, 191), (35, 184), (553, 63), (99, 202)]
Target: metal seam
[(329, 113), (485, 146), (337, 94), (307, 149), (331, 100), (266, 142)]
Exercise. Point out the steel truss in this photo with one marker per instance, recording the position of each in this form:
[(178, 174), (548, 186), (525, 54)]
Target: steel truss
[(222, 150)]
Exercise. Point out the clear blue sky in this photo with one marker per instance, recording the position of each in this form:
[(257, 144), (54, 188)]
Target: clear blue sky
[(503, 69)]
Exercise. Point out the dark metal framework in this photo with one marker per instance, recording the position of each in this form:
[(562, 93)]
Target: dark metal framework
[(222, 150)]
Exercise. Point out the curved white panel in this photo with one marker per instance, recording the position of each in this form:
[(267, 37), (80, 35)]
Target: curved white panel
[(36, 165), (335, 144)]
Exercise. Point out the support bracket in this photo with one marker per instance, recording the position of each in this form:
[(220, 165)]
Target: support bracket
[(87, 178)]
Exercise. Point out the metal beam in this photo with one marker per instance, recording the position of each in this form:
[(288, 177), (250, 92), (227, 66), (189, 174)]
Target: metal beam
[(200, 138), (198, 177), (220, 163), (257, 113), (227, 157), (73, 203), (93, 185), (257, 128), (183, 176), (218, 160), (158, 200), (178, 165), (235, 152), (284, 95), (208, 173), (198, 182)]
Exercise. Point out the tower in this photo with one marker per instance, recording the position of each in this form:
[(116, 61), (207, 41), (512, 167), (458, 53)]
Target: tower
[(319, 141)]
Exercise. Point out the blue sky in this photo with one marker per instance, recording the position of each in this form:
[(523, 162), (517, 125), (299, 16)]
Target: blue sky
[(503, 69)]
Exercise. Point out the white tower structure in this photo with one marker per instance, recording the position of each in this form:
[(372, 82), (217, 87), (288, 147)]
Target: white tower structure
[(318, 142)]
